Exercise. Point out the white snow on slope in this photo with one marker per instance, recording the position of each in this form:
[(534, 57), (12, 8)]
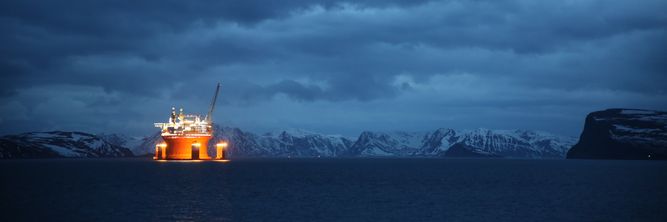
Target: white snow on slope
[(637, 112), (297, 142), (63, 151)]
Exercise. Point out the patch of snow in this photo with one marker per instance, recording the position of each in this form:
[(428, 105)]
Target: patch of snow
[(408, 139), (637, 112), (292, 131), (43, 135), (63, 151), (657, 118), (633, 130), (376, 152), (133, 142), (78, 136), (94, 143)]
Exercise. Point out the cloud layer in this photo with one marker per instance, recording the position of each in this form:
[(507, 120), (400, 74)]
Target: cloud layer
[(331, 66)]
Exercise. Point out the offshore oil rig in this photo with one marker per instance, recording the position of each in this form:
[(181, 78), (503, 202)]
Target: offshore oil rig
[(186, 136)]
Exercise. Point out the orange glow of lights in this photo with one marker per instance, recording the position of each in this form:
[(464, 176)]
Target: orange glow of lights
[(160, 151), (220, 153), (191, 161)]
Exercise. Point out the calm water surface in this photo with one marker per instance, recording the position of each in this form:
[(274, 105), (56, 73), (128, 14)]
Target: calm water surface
[(333, 190)]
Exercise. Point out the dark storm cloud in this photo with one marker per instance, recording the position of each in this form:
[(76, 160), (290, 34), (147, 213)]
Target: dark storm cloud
[(493, 54), (44, 36)]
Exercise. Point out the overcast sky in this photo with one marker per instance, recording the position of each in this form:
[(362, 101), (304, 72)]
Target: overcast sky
[(329, 66)]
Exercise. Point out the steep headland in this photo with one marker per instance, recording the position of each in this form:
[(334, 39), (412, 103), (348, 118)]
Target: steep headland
[(622, 134)]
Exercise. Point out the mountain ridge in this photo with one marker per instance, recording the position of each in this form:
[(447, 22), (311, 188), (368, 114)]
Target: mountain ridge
[(54, 144), (303, 143)]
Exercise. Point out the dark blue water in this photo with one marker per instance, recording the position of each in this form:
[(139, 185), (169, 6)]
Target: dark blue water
[(333, 190)]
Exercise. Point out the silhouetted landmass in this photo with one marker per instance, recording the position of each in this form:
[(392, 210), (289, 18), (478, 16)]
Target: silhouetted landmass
[(622, 134)]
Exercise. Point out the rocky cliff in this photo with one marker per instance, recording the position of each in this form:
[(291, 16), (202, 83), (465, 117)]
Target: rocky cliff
[(622, 134)]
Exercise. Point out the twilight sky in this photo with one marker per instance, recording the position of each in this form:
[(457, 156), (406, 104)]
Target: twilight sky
[(335, 67)]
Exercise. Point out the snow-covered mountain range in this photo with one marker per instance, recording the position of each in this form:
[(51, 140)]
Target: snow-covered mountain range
[(300, 143), (607, 134), (59, 144), (479, 143)]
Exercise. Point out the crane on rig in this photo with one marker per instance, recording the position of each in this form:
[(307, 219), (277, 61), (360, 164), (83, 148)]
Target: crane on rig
[(209, 115)]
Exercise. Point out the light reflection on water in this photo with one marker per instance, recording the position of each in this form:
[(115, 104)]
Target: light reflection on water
[(333, 190)]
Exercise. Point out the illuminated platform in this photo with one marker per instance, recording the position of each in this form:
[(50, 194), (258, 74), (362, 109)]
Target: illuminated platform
[(187, 136), (193, 148)]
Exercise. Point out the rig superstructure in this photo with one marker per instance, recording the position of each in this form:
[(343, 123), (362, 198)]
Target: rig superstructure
[(186, 136)]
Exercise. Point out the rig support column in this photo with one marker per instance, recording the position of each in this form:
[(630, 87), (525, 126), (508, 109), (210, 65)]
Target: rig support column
[(195, 151), (158, 152), (220, 150)]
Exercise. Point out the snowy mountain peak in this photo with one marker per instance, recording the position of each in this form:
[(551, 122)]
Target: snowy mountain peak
[(386, 144), (291, 132), (509, 143)]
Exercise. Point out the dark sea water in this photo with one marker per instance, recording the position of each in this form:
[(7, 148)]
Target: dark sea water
[(333, 190)]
